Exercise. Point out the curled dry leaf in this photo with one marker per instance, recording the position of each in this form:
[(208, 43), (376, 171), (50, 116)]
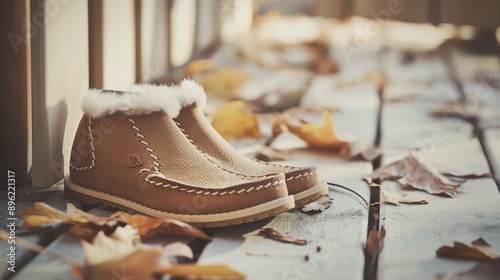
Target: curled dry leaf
[(398, 198), (271, 154), (373, 247), (282, 237), (118, 257), (480, 250), (86, 225), (235, 121), (319, 205), (483, 271), (375, 241), (418, 174), (322, 136)]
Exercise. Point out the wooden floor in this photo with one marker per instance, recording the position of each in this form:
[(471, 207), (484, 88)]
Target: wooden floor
[(414, 232)]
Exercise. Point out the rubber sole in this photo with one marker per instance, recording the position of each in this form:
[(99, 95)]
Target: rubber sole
[(310, 195), (88, 196)]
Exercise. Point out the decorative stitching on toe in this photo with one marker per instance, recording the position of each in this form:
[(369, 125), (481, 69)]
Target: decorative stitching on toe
[(305, 174), (92, 152), (214, 193)]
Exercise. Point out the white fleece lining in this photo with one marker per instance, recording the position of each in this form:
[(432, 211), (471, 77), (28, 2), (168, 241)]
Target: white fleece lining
[(144, 99)]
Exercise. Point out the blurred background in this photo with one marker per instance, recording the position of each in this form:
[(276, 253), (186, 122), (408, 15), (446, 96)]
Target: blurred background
[(265, 52)]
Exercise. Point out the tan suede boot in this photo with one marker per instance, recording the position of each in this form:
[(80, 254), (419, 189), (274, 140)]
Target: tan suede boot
[(129, 153), (302, 182)]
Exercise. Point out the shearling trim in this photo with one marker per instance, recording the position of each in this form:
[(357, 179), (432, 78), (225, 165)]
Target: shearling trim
[(191, 93), (144, 99)]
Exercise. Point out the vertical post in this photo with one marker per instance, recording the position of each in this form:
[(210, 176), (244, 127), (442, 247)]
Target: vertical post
[(15, 88)]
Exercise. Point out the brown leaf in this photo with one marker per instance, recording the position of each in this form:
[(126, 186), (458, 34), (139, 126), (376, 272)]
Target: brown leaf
[(322, 136), (235, 121), (398, 198), (480, 250), (418, 174), (86, 225), (149, 226), (178, 249), (319, 205), (373, 247), (483, 271), (271, 154), (326, 67), (198, 271), (282, 237), (375, 242)]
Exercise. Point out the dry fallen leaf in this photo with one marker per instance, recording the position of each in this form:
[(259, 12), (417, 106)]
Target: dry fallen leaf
[(118, 257), (282, 237), (398, 198), (196, 271), (224, 82), (178, 249), (271, 154), (41, 214), (480, 250), (86, 225), (319, 205), (235, 121), (375, 241), (373, 247), (149, 226), (418, 174), (199, 66), (322, 136), (483, 271)]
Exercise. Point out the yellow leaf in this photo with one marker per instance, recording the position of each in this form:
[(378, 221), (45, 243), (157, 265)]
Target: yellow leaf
[(202, 271), (199, 66), (398, 198), (322, 136), (235, 121), (224, 83)]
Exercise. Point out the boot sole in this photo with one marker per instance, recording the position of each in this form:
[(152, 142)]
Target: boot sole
[(88, 196), (310, 195)]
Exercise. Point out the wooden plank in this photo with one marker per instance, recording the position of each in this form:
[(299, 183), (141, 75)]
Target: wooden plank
[(493, 141), (15, 85), (60, 76), (339, 231), (414, 233)]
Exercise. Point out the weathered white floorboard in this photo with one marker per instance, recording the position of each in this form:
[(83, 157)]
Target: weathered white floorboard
[(415, 232), (493, 141), (339, 232)]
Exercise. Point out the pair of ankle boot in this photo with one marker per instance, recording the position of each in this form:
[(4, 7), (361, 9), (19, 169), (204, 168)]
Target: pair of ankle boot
[(152, 150)]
